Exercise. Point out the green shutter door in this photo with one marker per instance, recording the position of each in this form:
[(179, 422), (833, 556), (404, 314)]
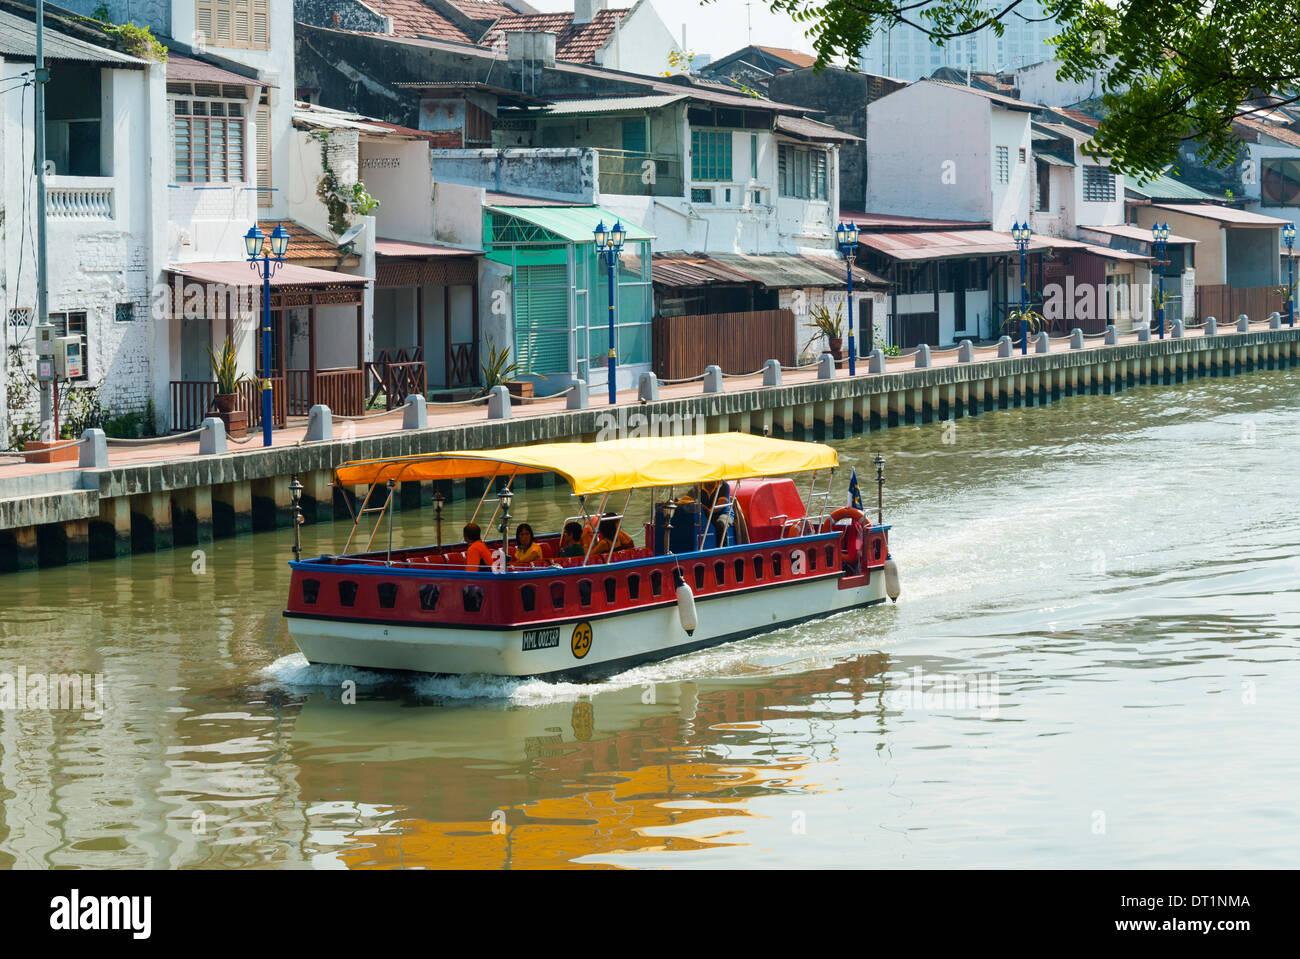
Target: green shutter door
[(542, 319)]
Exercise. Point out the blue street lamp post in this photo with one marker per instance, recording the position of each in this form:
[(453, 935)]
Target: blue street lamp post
[(1288, 234), (846, 238), (609, 245), (1160, 244), (265, 256), (1020, 233)]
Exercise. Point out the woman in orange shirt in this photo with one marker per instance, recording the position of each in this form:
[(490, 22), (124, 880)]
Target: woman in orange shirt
[(605, 542), (477, 555)]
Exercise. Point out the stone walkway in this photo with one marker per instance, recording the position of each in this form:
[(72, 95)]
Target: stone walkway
[(164, 451)]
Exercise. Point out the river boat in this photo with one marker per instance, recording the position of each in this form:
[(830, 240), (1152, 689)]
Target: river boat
[(743, 552)]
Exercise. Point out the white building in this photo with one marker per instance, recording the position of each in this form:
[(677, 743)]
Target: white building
[(950, 152), (903, 51), (104, 114)]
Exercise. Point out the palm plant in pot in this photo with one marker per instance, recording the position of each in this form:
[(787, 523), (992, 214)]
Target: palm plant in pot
[(225, 370), (829, 327)]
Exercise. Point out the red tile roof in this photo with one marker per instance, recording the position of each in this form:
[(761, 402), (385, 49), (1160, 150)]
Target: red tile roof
[(1275, 130), (411, 18), (574, 43), (1079, 115), (483, 9), (303, 243), (790, 56)]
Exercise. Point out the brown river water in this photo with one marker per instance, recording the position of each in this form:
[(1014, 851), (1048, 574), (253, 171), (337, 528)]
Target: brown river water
[(1093, 663)]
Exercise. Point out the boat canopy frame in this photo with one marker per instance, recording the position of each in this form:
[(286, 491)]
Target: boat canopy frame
[(611, 465)]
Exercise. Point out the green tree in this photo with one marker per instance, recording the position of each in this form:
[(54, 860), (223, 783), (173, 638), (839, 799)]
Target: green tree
[(1173, 70)]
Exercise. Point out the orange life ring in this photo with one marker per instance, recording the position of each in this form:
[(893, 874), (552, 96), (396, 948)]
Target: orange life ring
[(852, 539), (844, 512)]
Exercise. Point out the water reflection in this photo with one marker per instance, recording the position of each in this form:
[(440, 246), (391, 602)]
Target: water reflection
[(1125, 593)]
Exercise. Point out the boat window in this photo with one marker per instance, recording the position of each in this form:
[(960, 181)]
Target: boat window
[(656, 583), (830, 555), (429, 596), (528, 596), (633, 586), (720, 573), (310, 591), (611, 589), (699, 575), (472, 597), (387, 595), (740, 571), (758, 567), (584, 592), (776, 564), (347, 591), (876, 546), (812, 560), (557, 595)]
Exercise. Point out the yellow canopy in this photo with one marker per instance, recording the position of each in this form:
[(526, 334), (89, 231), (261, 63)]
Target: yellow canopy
[(611, 465)]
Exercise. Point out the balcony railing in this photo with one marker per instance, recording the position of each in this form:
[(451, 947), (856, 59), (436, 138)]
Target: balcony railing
[(627, 173), (74, 202)]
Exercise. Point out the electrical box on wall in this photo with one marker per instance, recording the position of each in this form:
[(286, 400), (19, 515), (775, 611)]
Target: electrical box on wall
[(68, 357), (45, 336)]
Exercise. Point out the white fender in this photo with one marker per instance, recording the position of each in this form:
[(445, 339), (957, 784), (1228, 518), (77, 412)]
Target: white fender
[(685, 604), (891, 579)]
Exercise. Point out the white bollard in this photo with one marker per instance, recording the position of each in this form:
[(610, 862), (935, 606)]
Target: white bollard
[(772, 373), (876, 361), (1211, 326), (320, 424), (93, 452), (923, 357), (499, 403), (966, 352), (1005, 346), (1076, 339), (415, 412), (1243, 323), (578, 397), (212, 437), (713, 379), (647, 387), (1042, 343), (825, 367), (1112, 334)]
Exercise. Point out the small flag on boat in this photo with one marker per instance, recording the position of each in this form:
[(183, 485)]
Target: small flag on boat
[(855, 495)]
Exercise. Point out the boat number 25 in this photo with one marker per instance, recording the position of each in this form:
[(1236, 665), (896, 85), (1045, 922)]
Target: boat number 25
[(581, 641)]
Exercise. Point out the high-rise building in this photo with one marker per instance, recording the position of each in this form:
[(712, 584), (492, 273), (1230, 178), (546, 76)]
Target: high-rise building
[(908, 54)]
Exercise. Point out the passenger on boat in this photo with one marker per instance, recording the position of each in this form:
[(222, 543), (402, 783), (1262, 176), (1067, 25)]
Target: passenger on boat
[(477, 555), (571, 540), (527, 549), (605, 539), (716, 497)]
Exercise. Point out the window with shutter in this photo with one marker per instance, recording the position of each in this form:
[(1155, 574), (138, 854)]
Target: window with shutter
[(241, 24), (542, 318), (263, 156)]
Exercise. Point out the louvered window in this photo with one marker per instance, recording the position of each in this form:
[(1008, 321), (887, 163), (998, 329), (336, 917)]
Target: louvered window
[(239, 24), (208, 138), (801, 172), (263, 121), (542, 318)]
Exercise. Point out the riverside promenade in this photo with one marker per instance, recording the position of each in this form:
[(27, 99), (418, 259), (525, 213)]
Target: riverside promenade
[(164, 493)]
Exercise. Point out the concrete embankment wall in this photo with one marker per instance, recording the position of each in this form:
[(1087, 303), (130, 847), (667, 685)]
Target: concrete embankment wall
[(75, 515)]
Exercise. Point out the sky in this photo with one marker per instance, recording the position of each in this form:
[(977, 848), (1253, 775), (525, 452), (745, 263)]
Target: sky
[(717, 28)]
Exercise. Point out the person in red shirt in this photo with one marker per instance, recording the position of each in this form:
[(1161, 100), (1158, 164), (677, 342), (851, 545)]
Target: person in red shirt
[(477, 555)]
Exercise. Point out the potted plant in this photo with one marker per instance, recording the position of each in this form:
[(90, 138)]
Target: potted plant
[(225, 370), (829, 327), (500, 370)]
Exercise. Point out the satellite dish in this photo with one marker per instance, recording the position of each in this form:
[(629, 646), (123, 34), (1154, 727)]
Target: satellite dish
[(352, 234)]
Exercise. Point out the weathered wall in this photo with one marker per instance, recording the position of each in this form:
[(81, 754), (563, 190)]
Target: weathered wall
[(844, 97), (561, 173)]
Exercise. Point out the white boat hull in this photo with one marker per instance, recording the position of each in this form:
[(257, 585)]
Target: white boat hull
[(599, 645)]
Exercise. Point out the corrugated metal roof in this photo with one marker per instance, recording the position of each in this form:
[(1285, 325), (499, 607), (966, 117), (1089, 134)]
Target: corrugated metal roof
[(787, 270), (1165, 187), (611, 104), (938, 245), (18, 42), (1131, 232), (1078, 136), (1222, 214), (574, 223), (806, 129), (886, 221), (686, 270), (1052, 160), (323, 118), (188, 70), (407, 248), (236, 273)]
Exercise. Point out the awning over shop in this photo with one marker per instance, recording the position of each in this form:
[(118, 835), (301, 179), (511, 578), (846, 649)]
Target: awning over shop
[(406, 248), (400, 263), (1130, 232), (788, 270), (237, 273), (940, 245), (1228, 216), (573, 223)]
